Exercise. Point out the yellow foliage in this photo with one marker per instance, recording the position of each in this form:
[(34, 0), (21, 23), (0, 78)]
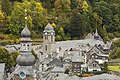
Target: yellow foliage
[(39, 7), (1, 16), (85, 6), (53, 25), (61, 29)]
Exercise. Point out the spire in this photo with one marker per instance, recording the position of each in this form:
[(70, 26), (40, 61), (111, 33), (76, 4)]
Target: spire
[(26, 58), (25, 32), (96, 32), (49, 27)]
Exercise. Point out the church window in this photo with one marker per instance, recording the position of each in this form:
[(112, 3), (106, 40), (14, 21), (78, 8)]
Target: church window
[(28, 46), (46, 47), (51, 38), (46, 37), (23, 46)]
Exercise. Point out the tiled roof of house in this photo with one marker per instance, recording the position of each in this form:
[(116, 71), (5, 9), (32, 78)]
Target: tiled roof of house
[(56, 62)]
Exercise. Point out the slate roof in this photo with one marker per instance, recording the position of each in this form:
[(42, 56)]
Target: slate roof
[(91, 61), (73, 43), (77, 57), (46, 61), (48, 27), (89, 36), (102, 77), (11, 49), (29, 70), (2, 67), (58, 70), (67, 77), (56, 62)]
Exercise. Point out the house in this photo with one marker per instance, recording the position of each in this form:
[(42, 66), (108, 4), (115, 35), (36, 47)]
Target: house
[(77, 61), (97, 54), (93, 66)]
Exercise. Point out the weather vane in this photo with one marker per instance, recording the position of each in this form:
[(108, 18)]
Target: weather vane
[(25, 14)]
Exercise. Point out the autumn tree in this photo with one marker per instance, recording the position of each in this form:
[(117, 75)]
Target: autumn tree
[(8, 58), (36, 16), (2, 17)]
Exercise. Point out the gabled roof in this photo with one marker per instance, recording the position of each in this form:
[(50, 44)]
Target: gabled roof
[(95, 47), (11, 49), (29, 70), (49, 27), (89, 36), (46, 61), (56, 62), (92, 61)]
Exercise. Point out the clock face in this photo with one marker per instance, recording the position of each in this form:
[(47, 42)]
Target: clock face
[(22, 75)]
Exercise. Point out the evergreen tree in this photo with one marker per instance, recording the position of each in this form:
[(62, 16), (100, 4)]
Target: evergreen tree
[(77, 28)]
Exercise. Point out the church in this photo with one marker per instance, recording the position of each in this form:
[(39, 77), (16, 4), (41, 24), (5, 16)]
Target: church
[(56, 57)]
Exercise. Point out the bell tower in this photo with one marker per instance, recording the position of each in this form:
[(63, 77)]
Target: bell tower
[(25, 69), (48, 39)]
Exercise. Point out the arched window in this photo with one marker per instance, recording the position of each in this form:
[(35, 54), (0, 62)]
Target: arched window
[(28, 47), (23, 46), (46, 47), (51, 38)]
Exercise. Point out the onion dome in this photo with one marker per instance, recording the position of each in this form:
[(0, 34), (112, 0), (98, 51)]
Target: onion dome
[(49, 27), (26, 60), (25, 32)]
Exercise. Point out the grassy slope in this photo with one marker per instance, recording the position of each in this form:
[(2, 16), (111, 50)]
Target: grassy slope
[(114, 68)]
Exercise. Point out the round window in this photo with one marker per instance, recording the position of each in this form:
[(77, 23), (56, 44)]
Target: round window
[(22, 74)]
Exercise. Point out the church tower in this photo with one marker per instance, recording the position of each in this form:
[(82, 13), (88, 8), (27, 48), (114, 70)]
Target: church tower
[(96, 36), (48, 39), (25, 69)]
